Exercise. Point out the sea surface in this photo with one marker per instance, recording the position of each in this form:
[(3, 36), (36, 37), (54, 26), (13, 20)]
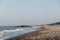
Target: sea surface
[(7, 27), (20, 31)]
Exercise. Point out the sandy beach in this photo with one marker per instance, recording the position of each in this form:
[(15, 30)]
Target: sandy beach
[(49, 32)]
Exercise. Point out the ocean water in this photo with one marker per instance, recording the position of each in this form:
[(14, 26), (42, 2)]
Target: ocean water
[(20, 31), (7, 27)]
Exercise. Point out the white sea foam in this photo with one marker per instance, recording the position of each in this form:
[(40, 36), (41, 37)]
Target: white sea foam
[(7, 31), (36, 27), (12, 33)]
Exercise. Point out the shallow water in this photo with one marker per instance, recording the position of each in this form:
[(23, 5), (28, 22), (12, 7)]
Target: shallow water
[(13, 34)]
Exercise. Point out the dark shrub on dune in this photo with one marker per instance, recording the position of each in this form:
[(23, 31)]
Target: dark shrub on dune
[(57, 23), (24, 26)]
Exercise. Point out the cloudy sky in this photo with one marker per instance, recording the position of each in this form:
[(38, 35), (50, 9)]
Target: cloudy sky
[(17, 12)]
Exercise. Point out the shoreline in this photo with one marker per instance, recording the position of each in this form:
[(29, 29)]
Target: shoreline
[(20, 37), (48, 33), (14, 34)]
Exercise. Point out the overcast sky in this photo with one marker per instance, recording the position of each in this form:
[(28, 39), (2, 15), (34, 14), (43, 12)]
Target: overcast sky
[(17, 12)]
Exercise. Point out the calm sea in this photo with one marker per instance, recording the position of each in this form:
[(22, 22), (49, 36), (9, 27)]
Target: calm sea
[(7, 27)]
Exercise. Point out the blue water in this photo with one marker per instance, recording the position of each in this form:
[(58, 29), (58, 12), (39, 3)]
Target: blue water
[(10, 35), (13, 34), (7, 27)]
